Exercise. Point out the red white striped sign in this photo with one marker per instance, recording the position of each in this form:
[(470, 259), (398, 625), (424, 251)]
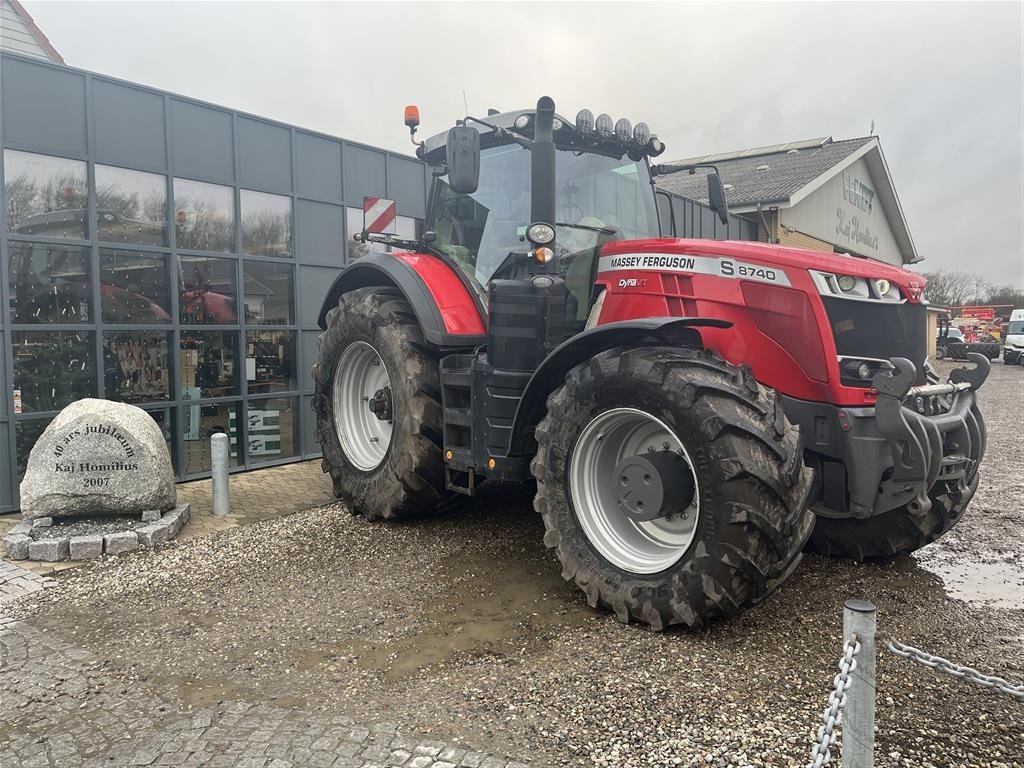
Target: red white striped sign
[(378, 215)]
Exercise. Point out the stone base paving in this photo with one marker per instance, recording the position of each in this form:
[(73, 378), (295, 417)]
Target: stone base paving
[(61, 710)]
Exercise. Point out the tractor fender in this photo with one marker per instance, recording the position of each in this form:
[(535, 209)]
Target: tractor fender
[(447, 313), (567, 355)]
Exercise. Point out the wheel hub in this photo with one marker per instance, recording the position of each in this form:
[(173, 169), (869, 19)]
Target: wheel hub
[(380, 404), (653, 485)]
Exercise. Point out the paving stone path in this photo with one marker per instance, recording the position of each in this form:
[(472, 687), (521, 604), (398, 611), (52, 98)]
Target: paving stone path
[(15, 581), (60, 709)]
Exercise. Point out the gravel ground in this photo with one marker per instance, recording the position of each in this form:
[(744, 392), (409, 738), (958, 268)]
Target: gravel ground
[(462, 625)]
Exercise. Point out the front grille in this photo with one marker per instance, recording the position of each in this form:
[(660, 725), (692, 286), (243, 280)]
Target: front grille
[(880, 330)]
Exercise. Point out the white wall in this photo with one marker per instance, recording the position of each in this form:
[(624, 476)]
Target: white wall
[(827, 215), (15, 37)]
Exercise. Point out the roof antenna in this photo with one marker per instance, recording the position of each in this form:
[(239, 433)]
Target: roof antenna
[(872, 131), (465, 101)]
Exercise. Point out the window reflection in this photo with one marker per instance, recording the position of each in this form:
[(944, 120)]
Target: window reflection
[(135, 366), (49, 283), (206, 290), (271, 428), (204, 216), (266, 224), (268, 293), (131, 206), (403, 227), (52, 368), (26, 433), (45, 195), (270, 361), (133, 287), (208, 364), (202, 421), (166, 421)]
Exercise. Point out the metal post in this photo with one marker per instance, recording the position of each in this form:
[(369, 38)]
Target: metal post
[(219, 465), (859, 716)]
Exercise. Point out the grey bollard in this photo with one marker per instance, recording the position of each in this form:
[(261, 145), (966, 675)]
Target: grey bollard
[(859, 717), (219, 464)]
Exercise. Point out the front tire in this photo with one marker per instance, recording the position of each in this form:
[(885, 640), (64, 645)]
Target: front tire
[(387, 465), (749, 517)]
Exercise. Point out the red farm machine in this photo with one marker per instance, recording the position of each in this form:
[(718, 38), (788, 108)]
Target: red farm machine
[(695, 412)]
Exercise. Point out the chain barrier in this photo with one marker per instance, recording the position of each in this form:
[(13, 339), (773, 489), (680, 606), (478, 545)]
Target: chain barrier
[(956, 670), (832, 716)]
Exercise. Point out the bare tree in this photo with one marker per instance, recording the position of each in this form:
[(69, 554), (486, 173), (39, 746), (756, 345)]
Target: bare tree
[(953, 288)]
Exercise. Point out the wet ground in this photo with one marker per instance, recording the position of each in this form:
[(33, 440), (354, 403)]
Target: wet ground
[(460, 627)]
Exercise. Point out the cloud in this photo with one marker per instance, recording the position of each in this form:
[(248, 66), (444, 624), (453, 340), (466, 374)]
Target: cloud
[(942, 81)]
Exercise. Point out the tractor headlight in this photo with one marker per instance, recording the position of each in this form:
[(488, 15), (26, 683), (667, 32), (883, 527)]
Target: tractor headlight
[(885, 290), (540, 234), (846, 282), (623, 129), (521, 122), (556, 124), (604, 126), (641, 133), (584, 121)]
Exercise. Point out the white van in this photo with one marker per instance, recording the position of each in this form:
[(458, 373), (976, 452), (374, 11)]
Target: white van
[(1013, 345)]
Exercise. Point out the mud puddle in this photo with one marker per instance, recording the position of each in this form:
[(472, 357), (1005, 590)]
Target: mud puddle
[(495, 609), (996, 584)]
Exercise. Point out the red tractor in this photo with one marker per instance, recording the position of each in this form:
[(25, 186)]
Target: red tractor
[(694, 412)]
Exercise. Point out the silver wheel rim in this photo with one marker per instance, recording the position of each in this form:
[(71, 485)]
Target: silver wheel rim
[(364, 438), (636, 547)]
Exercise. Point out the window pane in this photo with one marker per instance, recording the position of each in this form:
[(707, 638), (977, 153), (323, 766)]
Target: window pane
[(165, 419), (270, 361), (271, 429), (49, 283), (25, 435), (204, 216), (133, 287), (131, 206), (53, 368), (353, 226), (44, 195), (135, 366), (208, 364), (268, 293), (202, 421), (206, 288), (266, 224)]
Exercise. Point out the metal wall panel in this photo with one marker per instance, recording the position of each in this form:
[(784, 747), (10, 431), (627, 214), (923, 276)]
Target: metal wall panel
[(406, 182), (264, 156), (128, 126), (201, 142), (43, 108), (364, 173), (308, 342), (8, 470), (319, 230), (314, 283), (317, 166)]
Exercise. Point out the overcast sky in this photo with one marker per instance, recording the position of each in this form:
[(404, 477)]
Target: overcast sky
[(943, 82)]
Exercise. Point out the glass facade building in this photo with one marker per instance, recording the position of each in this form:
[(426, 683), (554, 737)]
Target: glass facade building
[(171, 254)]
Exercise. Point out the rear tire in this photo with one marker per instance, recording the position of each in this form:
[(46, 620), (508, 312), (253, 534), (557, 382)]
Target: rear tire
[(891, 534), (408, 477), (1011, 359), (747, 461)]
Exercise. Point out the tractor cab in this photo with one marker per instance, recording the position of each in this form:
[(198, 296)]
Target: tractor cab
[(603, 192)]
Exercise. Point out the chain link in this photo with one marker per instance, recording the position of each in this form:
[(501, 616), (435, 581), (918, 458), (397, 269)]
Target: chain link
[(944, 665), (832, 716)]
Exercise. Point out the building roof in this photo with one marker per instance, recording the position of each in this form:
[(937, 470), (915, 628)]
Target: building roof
[(19, 33), (781, 175), (765, 174)]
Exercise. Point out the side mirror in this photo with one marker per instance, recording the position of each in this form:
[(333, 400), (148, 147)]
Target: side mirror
[(463, 150), (716, 197)]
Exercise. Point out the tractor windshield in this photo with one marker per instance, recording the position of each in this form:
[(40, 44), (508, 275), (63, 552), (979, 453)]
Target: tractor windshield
[(598, 199)]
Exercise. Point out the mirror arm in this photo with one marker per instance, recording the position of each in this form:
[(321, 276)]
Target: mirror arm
[(661, 170), (500, 132)]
